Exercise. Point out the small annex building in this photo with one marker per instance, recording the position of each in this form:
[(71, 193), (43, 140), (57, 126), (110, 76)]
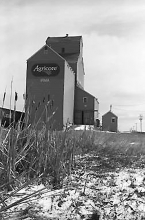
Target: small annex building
[(55, 85), (86, 108), (8, 117), (110, 122)]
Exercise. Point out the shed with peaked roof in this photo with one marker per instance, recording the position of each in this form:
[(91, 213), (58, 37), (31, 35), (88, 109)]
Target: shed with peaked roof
[(110, 122)]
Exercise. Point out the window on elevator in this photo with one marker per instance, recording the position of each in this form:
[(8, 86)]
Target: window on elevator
[(85, 99), (45, 50), (113, 119), (62, 50)]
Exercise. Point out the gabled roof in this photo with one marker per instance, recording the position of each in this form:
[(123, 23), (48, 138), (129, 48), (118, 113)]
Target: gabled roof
[(55, 53), (85, 91), (45, 47), (82, 89), (109, 113)]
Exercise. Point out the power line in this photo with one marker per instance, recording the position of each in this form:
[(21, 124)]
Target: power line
[(135, 110), (131, 104)]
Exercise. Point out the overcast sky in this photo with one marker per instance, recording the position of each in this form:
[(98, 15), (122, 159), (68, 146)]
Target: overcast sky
[(113, 34)]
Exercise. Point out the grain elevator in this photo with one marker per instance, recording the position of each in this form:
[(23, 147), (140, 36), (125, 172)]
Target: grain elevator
[(55, 85)]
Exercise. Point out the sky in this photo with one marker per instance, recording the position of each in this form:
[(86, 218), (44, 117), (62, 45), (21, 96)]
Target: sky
[(113, 34)]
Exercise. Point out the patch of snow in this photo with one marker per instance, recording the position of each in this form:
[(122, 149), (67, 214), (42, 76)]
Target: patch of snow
[(84, 127), (116, 195)]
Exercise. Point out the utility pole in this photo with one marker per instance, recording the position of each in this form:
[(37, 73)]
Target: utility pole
[(141, 118)]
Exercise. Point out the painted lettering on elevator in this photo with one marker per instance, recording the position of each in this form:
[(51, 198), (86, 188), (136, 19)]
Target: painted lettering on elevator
[(40, 70)]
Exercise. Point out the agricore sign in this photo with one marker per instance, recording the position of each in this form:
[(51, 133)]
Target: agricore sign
[(42, 69)]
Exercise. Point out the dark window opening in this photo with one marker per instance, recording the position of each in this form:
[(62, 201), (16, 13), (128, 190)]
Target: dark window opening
[(45, 50), (63, 50), (113, 119), (85, 99)]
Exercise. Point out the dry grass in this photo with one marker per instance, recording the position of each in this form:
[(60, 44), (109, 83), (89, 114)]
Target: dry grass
[(34, 152), (49, 157), (37, 155)]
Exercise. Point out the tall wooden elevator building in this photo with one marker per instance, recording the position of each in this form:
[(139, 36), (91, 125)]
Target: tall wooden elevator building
[(55, 85)]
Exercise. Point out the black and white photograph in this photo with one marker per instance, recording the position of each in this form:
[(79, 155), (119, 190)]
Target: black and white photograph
[(72, 109)]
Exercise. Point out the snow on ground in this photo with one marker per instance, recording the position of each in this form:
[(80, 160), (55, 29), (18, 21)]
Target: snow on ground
[(84, 127), (113, 194)]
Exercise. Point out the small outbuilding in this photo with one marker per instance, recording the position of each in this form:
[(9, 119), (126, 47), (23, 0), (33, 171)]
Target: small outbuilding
[(110, 122)]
